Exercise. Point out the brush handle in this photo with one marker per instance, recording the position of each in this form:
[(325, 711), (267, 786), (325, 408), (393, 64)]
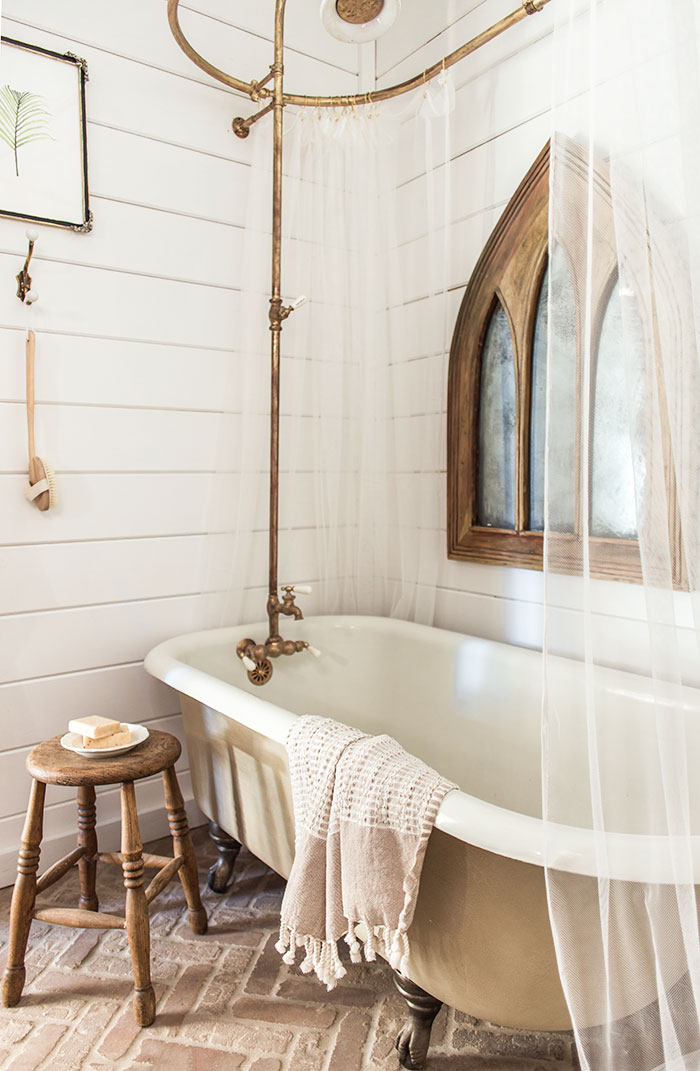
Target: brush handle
[(37, 470), (30, 352)]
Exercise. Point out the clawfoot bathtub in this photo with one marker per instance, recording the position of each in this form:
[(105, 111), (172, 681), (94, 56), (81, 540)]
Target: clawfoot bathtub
[(481, 939)]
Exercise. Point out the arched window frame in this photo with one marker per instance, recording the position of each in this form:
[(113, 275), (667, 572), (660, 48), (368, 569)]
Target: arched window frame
[(511, 269)]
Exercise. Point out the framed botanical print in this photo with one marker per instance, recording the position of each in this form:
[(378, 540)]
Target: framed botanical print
[(43, 136)]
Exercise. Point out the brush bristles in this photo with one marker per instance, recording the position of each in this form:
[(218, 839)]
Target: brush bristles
[(51, 478), (42, 470)]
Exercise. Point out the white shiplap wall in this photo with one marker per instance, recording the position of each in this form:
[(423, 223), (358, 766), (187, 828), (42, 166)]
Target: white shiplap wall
[(137, 328)]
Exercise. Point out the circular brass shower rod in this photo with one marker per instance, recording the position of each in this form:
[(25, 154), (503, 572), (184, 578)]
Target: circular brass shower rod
[(258, 91)]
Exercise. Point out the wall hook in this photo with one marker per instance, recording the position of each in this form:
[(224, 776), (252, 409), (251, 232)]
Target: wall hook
[(24, 279)]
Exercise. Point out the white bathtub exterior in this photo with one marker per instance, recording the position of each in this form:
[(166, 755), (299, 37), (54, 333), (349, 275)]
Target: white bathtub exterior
[(469, 707)]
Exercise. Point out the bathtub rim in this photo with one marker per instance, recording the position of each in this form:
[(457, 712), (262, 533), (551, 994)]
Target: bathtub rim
[(550, 845)]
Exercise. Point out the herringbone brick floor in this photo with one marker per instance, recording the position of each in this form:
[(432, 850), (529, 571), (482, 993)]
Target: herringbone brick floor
[(226, 1002)]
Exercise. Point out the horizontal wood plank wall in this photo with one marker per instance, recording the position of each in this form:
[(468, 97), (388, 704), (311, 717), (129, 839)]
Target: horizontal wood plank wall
[(136, 364)]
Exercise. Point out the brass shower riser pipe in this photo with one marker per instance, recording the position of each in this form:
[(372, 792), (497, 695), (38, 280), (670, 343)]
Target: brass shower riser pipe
[(276, 317)]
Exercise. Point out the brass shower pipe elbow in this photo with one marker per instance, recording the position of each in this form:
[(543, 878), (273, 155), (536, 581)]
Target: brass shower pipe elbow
[(257, 89)]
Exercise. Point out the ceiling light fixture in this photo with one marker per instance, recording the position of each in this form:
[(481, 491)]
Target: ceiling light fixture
[(357, 21)]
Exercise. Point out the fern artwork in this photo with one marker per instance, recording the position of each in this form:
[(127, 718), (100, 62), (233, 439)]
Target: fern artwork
[(24, 118), (43, 136)]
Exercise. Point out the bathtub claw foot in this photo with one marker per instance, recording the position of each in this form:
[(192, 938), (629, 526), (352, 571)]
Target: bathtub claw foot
[(221, 873), (414, 1038)]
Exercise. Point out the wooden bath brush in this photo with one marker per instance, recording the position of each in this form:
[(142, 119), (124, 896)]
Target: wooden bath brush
[(42, 481)]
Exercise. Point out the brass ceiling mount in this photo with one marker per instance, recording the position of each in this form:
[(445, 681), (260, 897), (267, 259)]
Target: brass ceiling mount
[(359, 11)]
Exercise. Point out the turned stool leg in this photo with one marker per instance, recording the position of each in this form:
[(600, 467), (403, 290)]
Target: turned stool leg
[(414, 1039), (137, 923), (221, 872), (23, 896), (182, 843), (87, 839)]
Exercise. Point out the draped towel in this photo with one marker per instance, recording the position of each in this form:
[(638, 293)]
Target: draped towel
[(363, 809)]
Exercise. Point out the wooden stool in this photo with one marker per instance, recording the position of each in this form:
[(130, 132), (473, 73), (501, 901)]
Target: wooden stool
[(51, 764)]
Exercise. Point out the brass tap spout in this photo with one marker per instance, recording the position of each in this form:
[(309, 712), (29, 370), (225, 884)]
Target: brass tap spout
[(289, 607)]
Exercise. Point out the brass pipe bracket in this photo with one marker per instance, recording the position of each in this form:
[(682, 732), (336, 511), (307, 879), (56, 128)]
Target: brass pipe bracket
[(241, 127)]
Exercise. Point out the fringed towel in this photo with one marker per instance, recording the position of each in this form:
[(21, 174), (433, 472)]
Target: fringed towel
[(364, 809)]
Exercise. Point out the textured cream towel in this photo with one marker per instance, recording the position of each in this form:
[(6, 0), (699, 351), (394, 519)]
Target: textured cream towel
[(364, 809)]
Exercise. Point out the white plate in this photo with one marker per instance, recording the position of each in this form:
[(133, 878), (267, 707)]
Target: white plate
[(73, 742)]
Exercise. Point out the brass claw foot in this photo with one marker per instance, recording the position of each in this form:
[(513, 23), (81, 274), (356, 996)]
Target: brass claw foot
[(412, 1045), (221, 872), (414, 1038)]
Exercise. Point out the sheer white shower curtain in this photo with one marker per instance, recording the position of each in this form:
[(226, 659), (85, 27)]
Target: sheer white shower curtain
[(624, 215), (359, 515), (355, 517)]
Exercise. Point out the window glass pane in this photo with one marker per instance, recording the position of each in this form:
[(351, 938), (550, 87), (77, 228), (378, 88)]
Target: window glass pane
[(496, 469), (561, 448), (537, 409), (618, 395)]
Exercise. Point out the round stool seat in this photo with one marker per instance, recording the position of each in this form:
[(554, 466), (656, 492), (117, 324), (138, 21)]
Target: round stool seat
[(53, 764)]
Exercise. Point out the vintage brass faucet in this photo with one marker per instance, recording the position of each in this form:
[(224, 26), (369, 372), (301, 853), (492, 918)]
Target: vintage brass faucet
[(256, 656)]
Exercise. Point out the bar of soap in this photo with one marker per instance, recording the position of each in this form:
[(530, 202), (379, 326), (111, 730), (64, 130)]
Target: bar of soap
[(94, 726), (118, 739)]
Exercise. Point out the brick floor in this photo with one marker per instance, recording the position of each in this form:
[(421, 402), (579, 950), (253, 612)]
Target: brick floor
[(225, 1001)]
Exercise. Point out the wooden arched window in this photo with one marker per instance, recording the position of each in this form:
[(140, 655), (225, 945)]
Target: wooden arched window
[(497, 389), (496, 400)]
